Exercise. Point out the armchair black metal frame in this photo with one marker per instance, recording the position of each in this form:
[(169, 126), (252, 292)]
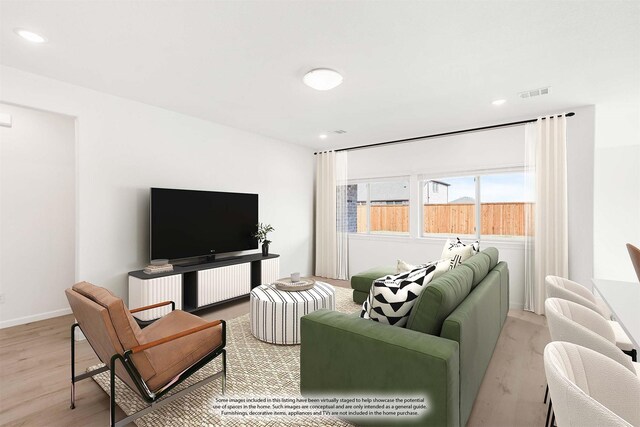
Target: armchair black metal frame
[(154, 399)]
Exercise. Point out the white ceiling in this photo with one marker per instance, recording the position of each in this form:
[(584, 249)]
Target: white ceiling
[(410, 68)]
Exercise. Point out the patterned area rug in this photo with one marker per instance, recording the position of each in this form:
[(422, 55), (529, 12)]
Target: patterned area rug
[(254, 368)]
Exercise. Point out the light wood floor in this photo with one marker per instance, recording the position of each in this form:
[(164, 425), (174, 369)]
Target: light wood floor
[(34, 374)]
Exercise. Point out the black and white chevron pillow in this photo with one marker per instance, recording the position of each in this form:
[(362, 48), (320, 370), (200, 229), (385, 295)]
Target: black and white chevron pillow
[(391, 298)]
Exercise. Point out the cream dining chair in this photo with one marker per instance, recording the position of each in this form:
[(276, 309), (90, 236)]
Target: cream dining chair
[(579, 325), (559, 287), (589, 389)]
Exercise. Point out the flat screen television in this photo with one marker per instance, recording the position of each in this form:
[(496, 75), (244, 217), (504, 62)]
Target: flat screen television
[(190, 223)]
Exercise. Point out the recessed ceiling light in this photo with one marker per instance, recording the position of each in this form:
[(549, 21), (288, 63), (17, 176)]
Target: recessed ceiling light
[(322, 79), (323, 136), (499, 101), (29, 35)]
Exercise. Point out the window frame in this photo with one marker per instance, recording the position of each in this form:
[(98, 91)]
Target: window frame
[(500, 238), (421, 181), (368, 182), (477, 176)]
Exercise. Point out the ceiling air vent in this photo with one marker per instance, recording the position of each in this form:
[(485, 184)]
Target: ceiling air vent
[(535, 92), (339, 131)]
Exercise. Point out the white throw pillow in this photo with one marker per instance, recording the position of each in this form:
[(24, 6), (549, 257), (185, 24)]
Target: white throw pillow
[(445, 265), (442, 267), (475, 245), (404, 266), (451, 249)]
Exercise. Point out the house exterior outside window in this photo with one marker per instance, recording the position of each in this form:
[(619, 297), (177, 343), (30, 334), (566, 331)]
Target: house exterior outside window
[(436, 192)]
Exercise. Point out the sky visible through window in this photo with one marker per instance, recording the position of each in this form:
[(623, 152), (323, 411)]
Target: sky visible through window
[(461, 187), (504, 187)]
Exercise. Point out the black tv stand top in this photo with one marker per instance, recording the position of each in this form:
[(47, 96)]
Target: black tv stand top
[(222, 262)]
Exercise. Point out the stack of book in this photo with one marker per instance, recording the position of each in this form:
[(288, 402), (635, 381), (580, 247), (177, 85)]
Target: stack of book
[(155, 269)]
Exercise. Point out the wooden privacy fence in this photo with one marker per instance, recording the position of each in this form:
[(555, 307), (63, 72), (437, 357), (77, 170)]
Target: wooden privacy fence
[(394, 218), (506, 219), (455, 219)]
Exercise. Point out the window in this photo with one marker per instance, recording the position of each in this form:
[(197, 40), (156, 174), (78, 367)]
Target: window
[(499, 201), (505, 201), (381, 207), (362, 192), (492, 204), (451, 210)]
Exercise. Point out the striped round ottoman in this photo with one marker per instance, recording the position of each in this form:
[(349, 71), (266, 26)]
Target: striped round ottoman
[(275, 315)]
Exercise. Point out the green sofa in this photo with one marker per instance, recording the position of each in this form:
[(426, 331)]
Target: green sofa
[(443, 352), (361, 282)]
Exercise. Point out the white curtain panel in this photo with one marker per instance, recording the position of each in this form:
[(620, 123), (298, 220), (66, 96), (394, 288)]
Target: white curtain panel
[(546, 152), (331, 215), (342, 217), (326, 209), (530, 138)]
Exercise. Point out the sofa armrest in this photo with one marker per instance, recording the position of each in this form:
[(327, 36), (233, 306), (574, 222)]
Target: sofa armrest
[(343, 354)]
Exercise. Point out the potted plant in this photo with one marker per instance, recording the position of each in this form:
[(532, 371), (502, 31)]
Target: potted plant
[(261, 235)]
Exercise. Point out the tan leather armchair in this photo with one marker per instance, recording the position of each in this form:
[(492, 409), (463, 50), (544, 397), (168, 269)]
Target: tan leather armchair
[(153, 360), (634, 253)]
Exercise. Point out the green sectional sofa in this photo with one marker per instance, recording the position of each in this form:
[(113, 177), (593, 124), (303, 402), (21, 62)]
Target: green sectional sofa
[(443, 352), (361, 282)]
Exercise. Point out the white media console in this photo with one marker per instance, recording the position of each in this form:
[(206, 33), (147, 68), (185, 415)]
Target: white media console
[(201, 286)]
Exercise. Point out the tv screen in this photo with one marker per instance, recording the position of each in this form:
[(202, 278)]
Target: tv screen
[(188, 223)]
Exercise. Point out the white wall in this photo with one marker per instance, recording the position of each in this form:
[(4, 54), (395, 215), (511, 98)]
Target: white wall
[(616, 189), (475, 152), (465, 152), (580, 152), (125, 147), (37, 213)]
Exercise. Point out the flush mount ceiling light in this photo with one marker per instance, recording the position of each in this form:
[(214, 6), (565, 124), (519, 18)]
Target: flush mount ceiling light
[(499, 102), (322, 79), (29, 35), (323, 136)]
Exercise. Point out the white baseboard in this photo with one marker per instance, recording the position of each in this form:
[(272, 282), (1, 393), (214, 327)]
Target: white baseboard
[(34, 318), (516, 306)]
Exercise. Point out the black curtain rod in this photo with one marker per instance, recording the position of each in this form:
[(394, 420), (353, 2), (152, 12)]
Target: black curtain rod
[(436, 135)]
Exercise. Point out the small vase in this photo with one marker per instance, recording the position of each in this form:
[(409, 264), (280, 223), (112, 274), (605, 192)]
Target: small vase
[(265, 249)]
